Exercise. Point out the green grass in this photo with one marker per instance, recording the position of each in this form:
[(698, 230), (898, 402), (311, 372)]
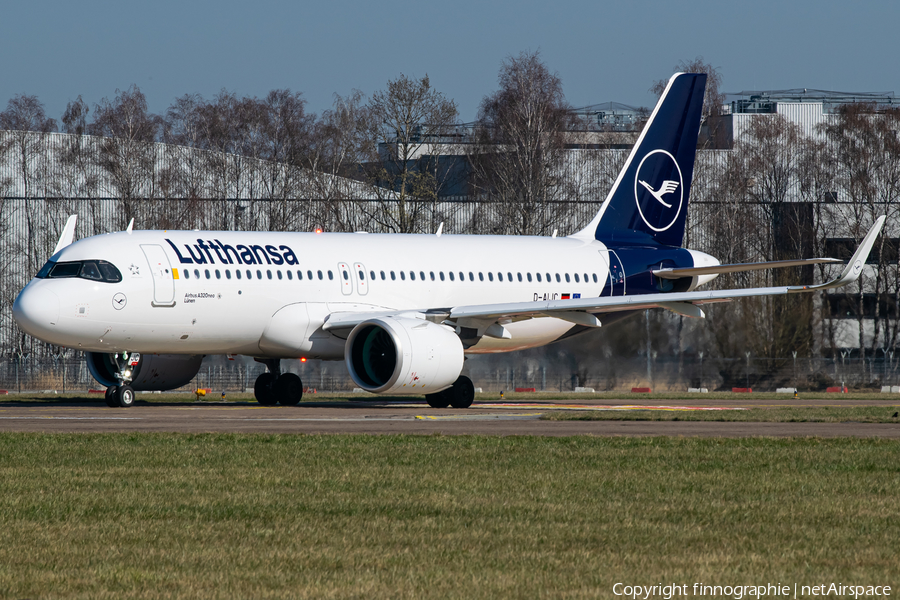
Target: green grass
[(789, 414), (244, 516)]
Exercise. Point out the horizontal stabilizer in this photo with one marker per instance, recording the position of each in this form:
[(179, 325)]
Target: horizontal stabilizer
[(739, 268)]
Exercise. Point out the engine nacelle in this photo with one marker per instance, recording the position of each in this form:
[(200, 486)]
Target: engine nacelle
[(403, 356), (153, 371)]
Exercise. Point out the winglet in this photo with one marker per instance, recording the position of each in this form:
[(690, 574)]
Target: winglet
[(854, 268), (439, 229), (68, 234), (130, 225)]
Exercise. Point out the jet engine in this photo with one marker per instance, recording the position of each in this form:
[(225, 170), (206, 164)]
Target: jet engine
[(402, 355), (153, 371)]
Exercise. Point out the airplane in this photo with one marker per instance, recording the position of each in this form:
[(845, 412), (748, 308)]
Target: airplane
[(401, 310)]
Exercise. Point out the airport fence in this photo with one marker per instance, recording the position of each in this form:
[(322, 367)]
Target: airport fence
[(69, 374)]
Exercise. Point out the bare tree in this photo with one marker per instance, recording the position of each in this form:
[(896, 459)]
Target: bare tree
[(28, 126), (127, 153), (712, 129), (340, 145), (866, 162), (286, 131), (410, 123), (518, 160)]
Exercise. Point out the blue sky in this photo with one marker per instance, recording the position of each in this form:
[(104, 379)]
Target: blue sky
[(602, 50)]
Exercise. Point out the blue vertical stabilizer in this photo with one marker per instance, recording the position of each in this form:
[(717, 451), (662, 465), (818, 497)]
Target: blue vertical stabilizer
[(649, 200)]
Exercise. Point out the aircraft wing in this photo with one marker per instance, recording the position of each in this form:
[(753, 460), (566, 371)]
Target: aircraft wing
[(583, 311), (740, 268)]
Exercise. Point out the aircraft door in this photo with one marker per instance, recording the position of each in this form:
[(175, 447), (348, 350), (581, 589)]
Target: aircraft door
[(345, 278), (615, 285), (163, 280), (362, 281)]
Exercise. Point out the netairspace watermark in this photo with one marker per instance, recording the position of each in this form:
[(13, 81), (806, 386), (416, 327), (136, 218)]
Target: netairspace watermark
[(669, 591)]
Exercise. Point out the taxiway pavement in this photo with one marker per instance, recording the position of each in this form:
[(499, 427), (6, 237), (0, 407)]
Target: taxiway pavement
[(415, 417)]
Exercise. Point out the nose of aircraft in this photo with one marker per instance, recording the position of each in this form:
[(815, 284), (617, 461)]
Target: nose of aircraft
[(36, 311)]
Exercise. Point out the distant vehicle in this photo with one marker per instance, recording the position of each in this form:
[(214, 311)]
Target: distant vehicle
[(401, 310)]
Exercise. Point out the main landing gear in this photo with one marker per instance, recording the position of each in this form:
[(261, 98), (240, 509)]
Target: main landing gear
[(274, 387), (459, 395), (123, 394)]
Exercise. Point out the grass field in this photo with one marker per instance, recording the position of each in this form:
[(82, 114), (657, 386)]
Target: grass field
[(240, 516)]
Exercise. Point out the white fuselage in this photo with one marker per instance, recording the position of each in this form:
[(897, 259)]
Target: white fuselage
[(186, 292)]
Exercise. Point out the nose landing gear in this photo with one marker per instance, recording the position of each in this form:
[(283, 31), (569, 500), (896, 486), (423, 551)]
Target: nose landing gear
[(123, 394), (274, 387)]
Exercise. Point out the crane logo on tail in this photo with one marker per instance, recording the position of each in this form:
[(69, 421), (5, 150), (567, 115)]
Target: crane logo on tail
[(660, 195), (668, 187)]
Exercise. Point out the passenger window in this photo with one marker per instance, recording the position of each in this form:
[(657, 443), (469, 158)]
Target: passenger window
[(509, 277), (567, 278), (403, 275), (382, 275), (330, 275), (309, 275), (196, 273), (319, 273), (258, 274), (290, 275), (538, 275), (227, 273), (278, 272), (269, 273), (218, 274), (558, 280), (372, 275), (299, 275), (237, 272), (519, 275), (451, 276), (412, 275), (249, 274), (362, 276), (432, 275), (422, 275), (462, 276), (480, 276), (206, 272), (490, 276), (595, 278), (471, 276), (442, 275), (528, 276), (585, 278), (548, 278), (576, 278), (346, 275), (499, 276), (187, 273), (393, 277)]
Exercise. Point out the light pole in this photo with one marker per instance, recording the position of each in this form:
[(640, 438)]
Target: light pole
[(701, 369), (747, 354), (794, 353)]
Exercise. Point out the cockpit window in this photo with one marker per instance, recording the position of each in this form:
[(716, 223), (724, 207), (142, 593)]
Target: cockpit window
[(89, 270), (94, 270)]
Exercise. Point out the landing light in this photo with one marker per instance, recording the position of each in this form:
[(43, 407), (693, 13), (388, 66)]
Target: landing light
[(303, 359)]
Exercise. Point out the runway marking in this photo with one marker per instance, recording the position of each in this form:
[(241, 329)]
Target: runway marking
[(36, 417), (601, 407), (503, 417)]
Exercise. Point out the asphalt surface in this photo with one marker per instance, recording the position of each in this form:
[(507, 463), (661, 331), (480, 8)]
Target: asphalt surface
[(415, 417)]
